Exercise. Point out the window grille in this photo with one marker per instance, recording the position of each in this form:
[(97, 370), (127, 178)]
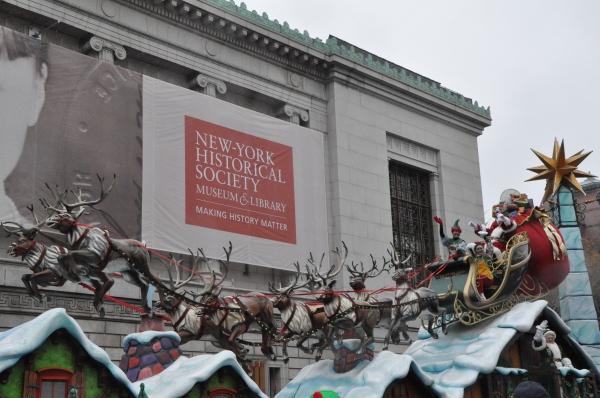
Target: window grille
[(411, 215)]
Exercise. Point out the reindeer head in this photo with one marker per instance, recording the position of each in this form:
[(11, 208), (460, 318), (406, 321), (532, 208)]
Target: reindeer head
[(26, 236), (401, 274), (65, 216), (282, 298), (325, 290), (358, 278)]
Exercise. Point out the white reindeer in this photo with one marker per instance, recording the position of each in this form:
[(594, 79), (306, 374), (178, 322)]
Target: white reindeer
[(420, 303)]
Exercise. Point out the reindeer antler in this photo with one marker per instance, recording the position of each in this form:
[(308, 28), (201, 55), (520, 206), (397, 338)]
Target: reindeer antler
[(395, 261), (29, 233), (69, 207), (355, 272), (332, 271), (178, 283), (372, 273), (288, 289)]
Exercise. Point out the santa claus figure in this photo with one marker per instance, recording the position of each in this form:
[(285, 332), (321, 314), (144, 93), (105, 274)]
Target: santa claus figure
[(499, 231)]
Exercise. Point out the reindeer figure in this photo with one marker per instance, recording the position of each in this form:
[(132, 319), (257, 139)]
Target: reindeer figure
[(235, 323), (189, 321), (419, 303), (42, 260), (362, 321), (358, 278), (94, 254), (299, 318)]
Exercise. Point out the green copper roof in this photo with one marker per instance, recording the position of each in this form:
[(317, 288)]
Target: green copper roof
[(333, 45)]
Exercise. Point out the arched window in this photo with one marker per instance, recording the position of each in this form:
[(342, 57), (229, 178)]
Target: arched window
[(222, 392), (54, 382)]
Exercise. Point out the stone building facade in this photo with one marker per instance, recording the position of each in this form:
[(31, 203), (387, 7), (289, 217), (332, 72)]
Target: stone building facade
[(375, 117)]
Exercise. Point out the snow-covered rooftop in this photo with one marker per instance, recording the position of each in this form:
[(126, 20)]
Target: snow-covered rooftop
[(447, 365), (174, 382)]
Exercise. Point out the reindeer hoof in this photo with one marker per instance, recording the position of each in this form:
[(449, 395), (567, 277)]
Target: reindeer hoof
[(317, 358), (384, 348), (101, 311), (286, 360)]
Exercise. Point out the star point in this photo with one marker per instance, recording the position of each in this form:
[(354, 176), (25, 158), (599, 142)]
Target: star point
[(559, 170)]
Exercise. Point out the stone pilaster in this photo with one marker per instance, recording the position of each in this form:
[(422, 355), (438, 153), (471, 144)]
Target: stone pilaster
[(104, 49), (293, 113), (576, 301), (208, 85)]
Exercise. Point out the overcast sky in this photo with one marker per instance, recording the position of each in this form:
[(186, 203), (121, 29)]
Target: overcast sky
[(536, 63)]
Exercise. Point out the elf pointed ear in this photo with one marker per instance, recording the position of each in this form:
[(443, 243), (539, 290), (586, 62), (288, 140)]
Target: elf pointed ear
[(332, 283)]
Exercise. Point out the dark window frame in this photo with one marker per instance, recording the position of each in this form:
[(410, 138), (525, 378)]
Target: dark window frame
[(412, 215)]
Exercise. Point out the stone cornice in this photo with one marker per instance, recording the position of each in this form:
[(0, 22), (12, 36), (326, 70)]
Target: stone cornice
[(335, 46), (243, 42)]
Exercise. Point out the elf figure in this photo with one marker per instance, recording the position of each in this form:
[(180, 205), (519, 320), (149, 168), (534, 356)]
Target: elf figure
[(457, 247), (485, 277)]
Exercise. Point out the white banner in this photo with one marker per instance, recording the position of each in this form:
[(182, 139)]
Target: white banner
[(215, 172)]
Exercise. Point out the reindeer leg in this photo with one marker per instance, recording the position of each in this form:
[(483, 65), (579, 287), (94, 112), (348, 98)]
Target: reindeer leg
[(235, 333), (404, 327), (430, 330), (266, 348), (300, 345), (45, 277), (185, 336), (102, 287), (135, 278), (364, 339), (443, 315), (394, 325), (35, 294), (323, 343)]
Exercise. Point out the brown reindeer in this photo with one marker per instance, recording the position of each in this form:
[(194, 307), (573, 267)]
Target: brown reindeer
[(94, 254), (184, 316), (41, 259), (357, 283), (361, 320), (299, 318), (189, 321), (235, 314)]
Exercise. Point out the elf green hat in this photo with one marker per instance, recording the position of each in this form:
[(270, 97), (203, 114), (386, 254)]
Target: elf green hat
[(456, 227)]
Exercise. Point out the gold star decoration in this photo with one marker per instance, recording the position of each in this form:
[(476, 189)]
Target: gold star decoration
[(559, 171)]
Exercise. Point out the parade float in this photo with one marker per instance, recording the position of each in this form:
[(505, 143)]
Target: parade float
[(480, 309)]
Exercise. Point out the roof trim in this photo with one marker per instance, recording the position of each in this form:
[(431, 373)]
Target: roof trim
[(333, 45)]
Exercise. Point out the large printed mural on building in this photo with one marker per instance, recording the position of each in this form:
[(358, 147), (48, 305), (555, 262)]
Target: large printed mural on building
[(67, 117)]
